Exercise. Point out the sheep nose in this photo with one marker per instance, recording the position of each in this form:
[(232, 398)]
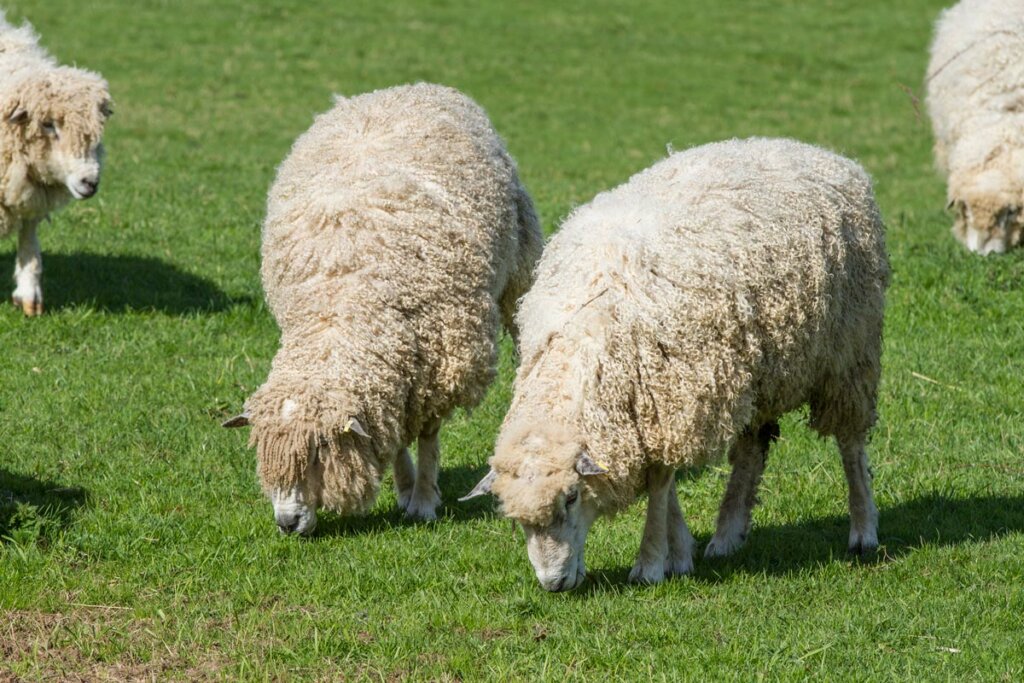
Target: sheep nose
[(287, 524), (87, 188)]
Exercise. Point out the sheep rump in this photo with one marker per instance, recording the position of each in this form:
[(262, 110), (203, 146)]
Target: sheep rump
[(397, 239), (975, 98)]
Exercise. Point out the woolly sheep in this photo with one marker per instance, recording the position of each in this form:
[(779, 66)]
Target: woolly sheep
[(50, 149), (679, 315), (975, 97), (398, 236)]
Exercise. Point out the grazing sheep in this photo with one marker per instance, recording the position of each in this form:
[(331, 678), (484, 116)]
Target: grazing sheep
[(397, 238), (50, 149), (679, 315), (975, 96)]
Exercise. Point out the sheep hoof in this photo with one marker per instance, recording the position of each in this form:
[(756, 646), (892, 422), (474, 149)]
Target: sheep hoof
[(421, 511), (647, 574), (679, 566), (30, 307), (862, 542), (723, 546), (862, 549), (404, 498)]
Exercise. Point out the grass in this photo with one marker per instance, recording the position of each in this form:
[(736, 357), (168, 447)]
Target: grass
[(136, 543)]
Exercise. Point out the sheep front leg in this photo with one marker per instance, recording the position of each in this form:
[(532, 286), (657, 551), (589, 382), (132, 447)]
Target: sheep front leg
[(863, 513), (426, 496), (28, 272), (652, 561), (405, 477), (747, 456), (680, 540)]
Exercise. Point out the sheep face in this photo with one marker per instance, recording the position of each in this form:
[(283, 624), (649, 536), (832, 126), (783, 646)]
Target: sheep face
[(57, 121), (295, 507), (985, 193), (303, 463), (543, 481), (304, 471), (987, 229), (556, 549)]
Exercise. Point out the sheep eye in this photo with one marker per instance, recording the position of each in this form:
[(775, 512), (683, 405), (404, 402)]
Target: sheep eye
[(50, 128), (571, 498)]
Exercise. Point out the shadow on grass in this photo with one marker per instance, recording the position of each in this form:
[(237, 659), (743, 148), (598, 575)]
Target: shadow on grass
[(933, 520), (31, 510), (454, 482), (122, 283)]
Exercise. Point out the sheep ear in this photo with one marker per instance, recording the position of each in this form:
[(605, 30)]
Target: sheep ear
[(237, 421), (483, 487), (19, 115), (356, 426), (587, 466)]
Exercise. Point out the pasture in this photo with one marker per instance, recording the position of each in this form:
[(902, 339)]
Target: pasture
[(136, 543)]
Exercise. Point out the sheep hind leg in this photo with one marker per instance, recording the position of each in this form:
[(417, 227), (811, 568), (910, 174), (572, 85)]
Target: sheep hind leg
[(405, 478), (680, 540), (747, 456), (653, 558), (863, 513), (426, 496)]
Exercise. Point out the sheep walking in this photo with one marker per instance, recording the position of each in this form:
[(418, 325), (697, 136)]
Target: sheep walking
[(398, 238), (50, 146), (680, 315), (975, 97)]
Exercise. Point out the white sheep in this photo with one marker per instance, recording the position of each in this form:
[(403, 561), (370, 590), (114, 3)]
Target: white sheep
[(680, 315), (398, 237), (50, 146), (975, 97)]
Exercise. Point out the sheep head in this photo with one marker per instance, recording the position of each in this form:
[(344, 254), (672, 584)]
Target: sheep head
[(309, 453), (985, 228), (986, 194), (545, 482), (55, 121)]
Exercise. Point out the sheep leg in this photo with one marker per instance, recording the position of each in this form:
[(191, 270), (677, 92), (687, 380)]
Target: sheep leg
[(863, 513), (426, 496), (405, 477), (653, 558), (28, 272), (747, 456), (680, 540)]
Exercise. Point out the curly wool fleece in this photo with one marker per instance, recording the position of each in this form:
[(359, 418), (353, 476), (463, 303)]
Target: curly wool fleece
[(716, 290), (397, 238)]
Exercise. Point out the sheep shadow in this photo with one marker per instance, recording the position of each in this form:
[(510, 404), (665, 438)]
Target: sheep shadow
[(934, 519), (32, 508), (121, 283), (454, 482)]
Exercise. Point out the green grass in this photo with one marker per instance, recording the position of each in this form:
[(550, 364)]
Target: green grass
[(136, 542)]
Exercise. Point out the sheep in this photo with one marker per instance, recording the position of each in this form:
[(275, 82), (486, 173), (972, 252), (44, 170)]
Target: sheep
[(397, 238), (50, 146), (975, 98), (678, 316)]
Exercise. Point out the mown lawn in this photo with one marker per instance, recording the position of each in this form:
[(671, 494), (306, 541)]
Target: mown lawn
[(136, 542)]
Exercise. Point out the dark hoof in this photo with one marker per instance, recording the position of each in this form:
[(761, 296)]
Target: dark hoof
[(861, 550)]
